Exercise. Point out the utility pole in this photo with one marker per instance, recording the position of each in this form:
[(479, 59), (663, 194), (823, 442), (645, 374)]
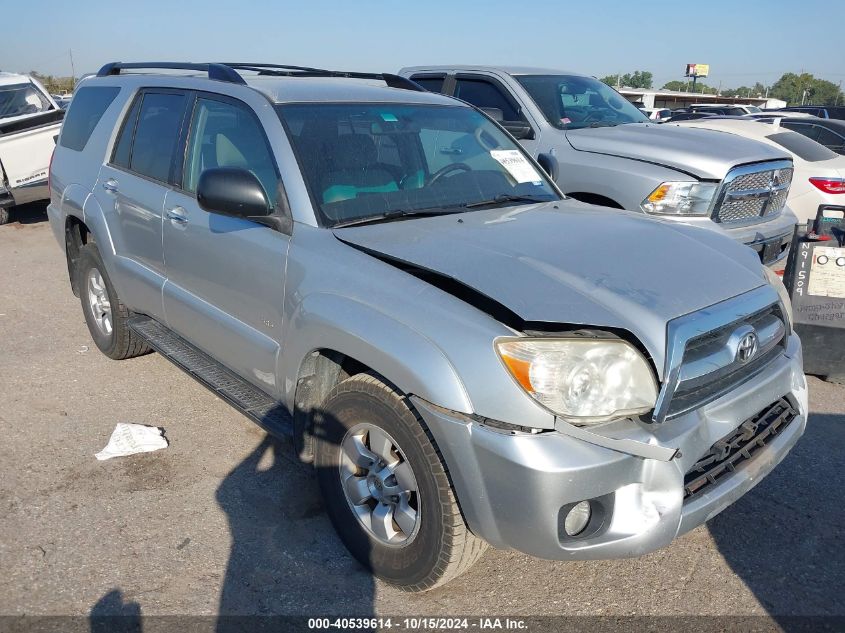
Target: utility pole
[(618, 79), (72, 71)]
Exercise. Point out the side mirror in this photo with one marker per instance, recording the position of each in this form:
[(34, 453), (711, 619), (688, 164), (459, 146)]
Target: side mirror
[(232, 191), (518, 129), (549, 164)]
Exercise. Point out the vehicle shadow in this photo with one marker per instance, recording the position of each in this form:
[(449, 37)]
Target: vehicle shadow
[(285, 558), (784, 538), (30, 213)]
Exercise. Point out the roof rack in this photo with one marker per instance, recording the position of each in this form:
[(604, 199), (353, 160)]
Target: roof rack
[(220, 72), (228, 72)]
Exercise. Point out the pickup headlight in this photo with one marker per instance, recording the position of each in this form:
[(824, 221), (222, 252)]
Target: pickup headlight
[(585, 381), (783, 293), (680, 198)]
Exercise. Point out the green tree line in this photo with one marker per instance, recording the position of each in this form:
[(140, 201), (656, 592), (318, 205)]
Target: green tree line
[(791, 87)]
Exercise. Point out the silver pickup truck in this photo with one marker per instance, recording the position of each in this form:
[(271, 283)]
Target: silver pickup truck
[(29, 125), (601, 149), (449, 346)]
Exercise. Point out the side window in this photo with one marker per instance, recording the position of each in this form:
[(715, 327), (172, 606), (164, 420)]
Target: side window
[(86, 110), (484, 94), (227, 135), (831, 139), (157, 134), (431, 83), (120, 157), (810, 131)]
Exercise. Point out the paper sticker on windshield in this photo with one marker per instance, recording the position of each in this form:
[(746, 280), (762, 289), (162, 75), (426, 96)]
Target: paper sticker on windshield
[(517, 165), (387, 116)]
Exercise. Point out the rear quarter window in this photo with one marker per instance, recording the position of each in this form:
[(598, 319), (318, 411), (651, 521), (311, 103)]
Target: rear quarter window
[(86, 110), (803, 147)]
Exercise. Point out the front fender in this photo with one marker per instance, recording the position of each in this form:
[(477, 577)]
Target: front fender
[(358, 330)]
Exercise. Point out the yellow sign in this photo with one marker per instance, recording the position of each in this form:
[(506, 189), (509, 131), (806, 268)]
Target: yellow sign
[(698, 70)]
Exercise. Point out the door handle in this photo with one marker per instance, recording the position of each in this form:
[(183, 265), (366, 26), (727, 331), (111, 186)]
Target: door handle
[(177, 214), (110, 185)]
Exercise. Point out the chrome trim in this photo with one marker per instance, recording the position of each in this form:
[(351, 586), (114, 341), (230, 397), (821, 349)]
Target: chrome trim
[(681, 330), (743, 170), (768, 336)]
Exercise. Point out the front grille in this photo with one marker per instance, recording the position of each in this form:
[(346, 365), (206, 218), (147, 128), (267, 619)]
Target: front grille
[(752, 192), (738, 448), (713, 351)]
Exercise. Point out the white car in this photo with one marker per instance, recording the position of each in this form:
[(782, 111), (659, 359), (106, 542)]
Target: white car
[(30, 121), (819, 176), (657, 114)]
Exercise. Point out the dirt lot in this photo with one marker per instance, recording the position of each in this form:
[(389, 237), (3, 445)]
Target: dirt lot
[(223, 521)]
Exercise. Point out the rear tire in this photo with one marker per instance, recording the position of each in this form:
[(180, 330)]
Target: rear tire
[(104, 312), (4, 215), (429, 544)]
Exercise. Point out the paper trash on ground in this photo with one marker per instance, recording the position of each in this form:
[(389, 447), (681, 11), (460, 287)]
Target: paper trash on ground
[(128, 439)]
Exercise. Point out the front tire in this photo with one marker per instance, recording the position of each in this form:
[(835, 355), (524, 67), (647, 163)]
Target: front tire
[(387, 489), (104, 312)]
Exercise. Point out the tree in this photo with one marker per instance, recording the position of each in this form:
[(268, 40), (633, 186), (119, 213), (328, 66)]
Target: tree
[(795, 89), (686, 86), (638, 79), (53, 84)]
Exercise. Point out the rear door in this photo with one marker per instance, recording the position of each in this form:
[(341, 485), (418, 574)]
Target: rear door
[(226, 276), (133, 184)]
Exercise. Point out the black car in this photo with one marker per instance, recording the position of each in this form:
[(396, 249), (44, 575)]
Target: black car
[(823, 112), (828, 132), (688, 116), (724, 109)]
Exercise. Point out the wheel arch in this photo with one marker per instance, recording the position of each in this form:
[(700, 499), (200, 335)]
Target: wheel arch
[(341, 337)]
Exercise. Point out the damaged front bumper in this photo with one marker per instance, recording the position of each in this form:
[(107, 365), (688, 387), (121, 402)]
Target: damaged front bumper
[(516, 488)]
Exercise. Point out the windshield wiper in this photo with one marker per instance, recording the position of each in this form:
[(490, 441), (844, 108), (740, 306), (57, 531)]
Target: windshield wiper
[(503, 198), (389, 216), (603, 124)]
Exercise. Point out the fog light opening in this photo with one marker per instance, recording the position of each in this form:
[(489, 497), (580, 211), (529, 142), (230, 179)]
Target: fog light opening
[(577, 518)]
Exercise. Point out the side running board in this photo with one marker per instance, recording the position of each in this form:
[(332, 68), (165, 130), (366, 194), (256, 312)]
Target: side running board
[(268, 413)]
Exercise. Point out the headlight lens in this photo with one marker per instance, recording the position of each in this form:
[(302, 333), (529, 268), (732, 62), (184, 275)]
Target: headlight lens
[(585, 381), (680, 198), (783, 293)]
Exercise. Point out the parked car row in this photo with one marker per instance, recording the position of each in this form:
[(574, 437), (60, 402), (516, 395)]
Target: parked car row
[(389, 277)]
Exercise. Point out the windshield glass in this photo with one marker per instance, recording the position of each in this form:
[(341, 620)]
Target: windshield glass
[(367, 160), (21, 99), (575, 102)]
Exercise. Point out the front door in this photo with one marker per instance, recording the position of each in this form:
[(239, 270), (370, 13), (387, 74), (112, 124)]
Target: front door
[(225, 276)]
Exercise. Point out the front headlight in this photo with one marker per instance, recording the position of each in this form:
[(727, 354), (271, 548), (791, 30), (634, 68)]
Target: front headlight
[(680, 198), (783, 293), (585, 381)]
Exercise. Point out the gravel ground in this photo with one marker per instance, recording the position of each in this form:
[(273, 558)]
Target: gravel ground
[(225, 521)]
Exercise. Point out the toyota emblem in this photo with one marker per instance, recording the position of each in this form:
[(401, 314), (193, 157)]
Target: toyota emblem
[(747, 347)]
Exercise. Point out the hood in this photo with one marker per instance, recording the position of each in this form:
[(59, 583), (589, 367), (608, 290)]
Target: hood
[(702, 153), (572, 263)]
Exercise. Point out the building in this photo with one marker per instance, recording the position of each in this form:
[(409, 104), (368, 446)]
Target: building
[(673, 99)]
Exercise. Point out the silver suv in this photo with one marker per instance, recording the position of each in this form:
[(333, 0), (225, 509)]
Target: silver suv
[(466, 356)]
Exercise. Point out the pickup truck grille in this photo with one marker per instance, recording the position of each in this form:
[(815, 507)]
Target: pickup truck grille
[(733, 451), (712, 365), (753, 192)]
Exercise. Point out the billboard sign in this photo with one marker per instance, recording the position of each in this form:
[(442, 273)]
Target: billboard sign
[(697, 70)]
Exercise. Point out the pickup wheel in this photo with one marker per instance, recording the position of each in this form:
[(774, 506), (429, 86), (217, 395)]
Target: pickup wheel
[(387, 489), (105, 314)]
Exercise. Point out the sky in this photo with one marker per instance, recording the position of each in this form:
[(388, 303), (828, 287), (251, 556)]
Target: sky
[(744, 41)]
